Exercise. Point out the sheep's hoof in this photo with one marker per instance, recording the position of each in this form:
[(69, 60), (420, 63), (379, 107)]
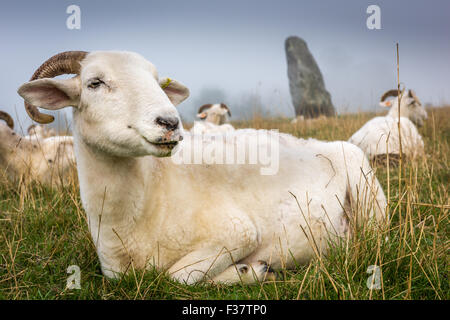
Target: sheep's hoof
[(256, 272), (246, 273), (268, 274)]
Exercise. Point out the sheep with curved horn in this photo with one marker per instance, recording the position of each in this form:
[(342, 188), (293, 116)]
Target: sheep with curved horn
[(380, 135), (145, 209), (40, 132)]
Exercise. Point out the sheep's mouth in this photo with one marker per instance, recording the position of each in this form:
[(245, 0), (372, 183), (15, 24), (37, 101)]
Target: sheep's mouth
[(162, 145), (166, 144)]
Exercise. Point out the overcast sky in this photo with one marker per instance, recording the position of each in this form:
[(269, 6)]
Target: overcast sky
[(238, 46)]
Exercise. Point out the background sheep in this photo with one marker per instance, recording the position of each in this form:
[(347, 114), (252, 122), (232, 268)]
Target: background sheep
[(380, 135), (49, 161), (214, 118), (410, 106), (218, 113), (154, 211), (40, 132)]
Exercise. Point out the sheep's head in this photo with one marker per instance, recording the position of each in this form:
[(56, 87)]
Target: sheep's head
[(410, 105), (40, 131), (120, 105), (215, 113)]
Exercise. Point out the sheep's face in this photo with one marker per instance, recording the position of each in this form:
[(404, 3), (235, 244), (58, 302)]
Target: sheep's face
[(121, 108), (414, 111), (216, 113), (410, 107)]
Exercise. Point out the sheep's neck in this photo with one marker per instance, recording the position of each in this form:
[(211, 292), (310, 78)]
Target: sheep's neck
[(216, 119), (112, 192), (393, 111)]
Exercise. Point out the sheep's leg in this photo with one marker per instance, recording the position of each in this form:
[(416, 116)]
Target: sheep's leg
[(238, 240), (208, 263), (204, 263), (246, 273)]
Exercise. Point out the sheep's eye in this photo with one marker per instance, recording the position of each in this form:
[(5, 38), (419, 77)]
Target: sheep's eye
[(95, 83)]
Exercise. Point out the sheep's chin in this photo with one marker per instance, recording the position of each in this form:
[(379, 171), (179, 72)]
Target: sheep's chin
[(417, 121), (160, 151), (145, 149), (140, 151)]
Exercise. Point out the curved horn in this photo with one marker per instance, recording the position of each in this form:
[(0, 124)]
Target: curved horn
[(389, 93), (204, 107), (224, 106), (412, 94), (62, 63), (8, 119)]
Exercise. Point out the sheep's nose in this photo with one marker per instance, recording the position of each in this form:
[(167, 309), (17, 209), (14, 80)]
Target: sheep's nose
[(170, 123)]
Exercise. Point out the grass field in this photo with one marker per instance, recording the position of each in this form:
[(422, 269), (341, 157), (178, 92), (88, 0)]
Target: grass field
[(43, 231)]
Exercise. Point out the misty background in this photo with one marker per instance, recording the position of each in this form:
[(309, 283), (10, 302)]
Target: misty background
[(233, 51)]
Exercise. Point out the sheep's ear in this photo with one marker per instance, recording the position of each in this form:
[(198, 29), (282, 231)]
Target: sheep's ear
[(201, 115), (386, 104), (176, 92), (52, 94)]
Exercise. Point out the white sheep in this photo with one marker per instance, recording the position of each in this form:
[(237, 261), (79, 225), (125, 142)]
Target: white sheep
[(308, 122), (145, 209), (40, 132), (49, 161), (380, 135), (214, 118)]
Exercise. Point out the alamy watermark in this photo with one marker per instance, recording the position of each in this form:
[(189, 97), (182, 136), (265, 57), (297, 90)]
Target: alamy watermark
[(74, 19), (255, 148), (373, 22), (374, 281), (74, 280)]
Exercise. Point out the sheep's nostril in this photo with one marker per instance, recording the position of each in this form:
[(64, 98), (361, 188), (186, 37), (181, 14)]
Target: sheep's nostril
[(170, 123)]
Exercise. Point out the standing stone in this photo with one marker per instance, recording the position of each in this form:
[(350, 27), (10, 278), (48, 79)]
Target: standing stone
[(309, 96)]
